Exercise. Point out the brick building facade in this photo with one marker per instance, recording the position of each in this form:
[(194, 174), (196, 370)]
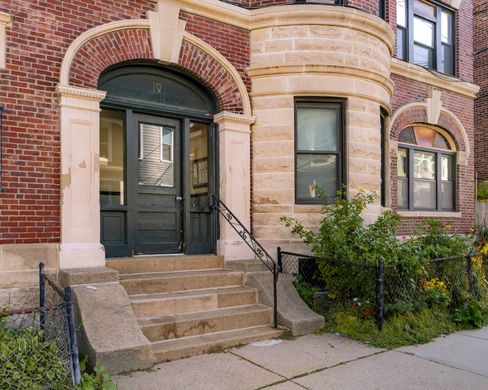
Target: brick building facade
[(257, 73), (480, 22)]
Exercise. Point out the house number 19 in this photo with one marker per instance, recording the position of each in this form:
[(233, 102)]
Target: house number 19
[(157, 87)]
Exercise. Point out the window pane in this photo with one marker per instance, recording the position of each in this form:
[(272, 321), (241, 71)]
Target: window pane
[(447, 199), (446, 168), (423, 56), (424, 7), (441, 142), (167, 144), (423, 31), (446, 27), (199, 164), (425, 136), (424, 165), (424, 194), (316, 170), (153, 171), (402, 163), (401, 13), (407, 136), (317, 128), (447, 59), (401, 45), (402, 193), (112, 155)]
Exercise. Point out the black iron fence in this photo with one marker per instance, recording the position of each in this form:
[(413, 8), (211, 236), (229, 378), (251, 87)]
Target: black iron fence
[(379, 289), (38, 348)]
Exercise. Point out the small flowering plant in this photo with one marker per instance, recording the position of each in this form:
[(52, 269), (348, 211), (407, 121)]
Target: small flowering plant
[(365, 311), (435, 292)]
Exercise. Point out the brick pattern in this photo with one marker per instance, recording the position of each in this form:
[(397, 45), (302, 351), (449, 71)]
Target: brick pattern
[(407, 91), (232, 42), (36, 42), (109, 49), (481, 104)]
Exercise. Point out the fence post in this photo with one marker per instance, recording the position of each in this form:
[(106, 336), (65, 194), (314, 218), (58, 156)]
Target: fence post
[(472, 285), (380, 292), (42, 298), (275, 295), (280, 260), (73, 345)]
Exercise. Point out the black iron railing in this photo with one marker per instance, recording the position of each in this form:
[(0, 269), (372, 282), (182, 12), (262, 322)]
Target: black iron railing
[(255, 246)]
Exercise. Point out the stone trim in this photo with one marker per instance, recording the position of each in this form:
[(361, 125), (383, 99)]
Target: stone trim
[(234, 118), (91, 34), (424, 106), (328, 70), (323, 15), (429, 214), (417, 73), (83, 93), (5, 20)]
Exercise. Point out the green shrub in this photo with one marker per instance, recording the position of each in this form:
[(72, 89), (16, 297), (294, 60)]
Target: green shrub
[(99, 379), (471, 314), (29, 361), (482, 190)]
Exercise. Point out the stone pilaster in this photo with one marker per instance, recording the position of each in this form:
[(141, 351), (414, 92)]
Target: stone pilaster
[(235, 180), (80, 178)]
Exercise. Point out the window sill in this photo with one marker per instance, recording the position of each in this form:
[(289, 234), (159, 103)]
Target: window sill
[(430, 214)]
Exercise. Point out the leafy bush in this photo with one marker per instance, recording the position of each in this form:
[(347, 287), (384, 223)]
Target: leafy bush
[(98, 380), (29, 361), (469, 315), (482, 190)]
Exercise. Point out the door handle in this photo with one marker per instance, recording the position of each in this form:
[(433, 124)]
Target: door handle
[(179, 198)]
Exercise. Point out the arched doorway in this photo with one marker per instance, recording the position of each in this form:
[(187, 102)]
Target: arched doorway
[(158, 168)]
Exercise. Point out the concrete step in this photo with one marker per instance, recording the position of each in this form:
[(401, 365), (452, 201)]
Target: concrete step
[(251, 265), (168, 350), (160, 282), (192, 324), (131, 265), (152, 305)]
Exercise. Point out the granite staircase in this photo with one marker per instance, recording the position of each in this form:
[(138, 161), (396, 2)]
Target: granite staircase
[(187, 305)]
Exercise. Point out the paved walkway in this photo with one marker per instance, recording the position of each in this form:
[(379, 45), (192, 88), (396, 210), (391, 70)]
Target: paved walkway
[(457, 361)]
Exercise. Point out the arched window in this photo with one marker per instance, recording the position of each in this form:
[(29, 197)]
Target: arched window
[(426, 170)]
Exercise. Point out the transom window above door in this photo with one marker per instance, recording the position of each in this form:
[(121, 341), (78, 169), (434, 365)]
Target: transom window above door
[(425, 170), (425, 34)]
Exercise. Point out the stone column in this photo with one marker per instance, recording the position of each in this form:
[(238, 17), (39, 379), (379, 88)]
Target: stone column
[(235, 180), (80, 178)]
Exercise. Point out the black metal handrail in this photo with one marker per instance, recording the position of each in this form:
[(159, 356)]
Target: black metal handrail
[(255, 246)]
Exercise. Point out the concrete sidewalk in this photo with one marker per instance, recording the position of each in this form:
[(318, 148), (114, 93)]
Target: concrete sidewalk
[(457, 361)]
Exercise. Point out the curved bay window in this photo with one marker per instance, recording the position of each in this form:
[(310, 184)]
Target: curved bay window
[(426, 170)]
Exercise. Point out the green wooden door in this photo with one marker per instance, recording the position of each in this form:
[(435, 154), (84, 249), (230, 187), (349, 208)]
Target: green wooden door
[(157, 191)]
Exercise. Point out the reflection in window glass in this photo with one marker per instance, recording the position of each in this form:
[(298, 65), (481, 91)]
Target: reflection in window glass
[(401, 13), (199, 161), (423, 32), (423, 56), (424, 194), (446, 27), (155, 156), (316, 170), (424, 165), (317, 128), (402, 162), (446, 168), (424, 7), (112, 156)]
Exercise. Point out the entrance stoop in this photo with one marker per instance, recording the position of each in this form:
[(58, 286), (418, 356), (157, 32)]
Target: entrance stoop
[(187, 305)]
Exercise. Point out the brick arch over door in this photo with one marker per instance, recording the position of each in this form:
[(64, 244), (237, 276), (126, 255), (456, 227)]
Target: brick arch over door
[(105, 50)]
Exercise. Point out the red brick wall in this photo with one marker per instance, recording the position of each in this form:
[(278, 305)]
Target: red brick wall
[(407, 91), (480, 71), (36, 42)]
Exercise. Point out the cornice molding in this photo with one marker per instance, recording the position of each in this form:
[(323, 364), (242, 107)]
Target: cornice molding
[(417, 73), (231, 117), (5, 18), (80, 93)]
